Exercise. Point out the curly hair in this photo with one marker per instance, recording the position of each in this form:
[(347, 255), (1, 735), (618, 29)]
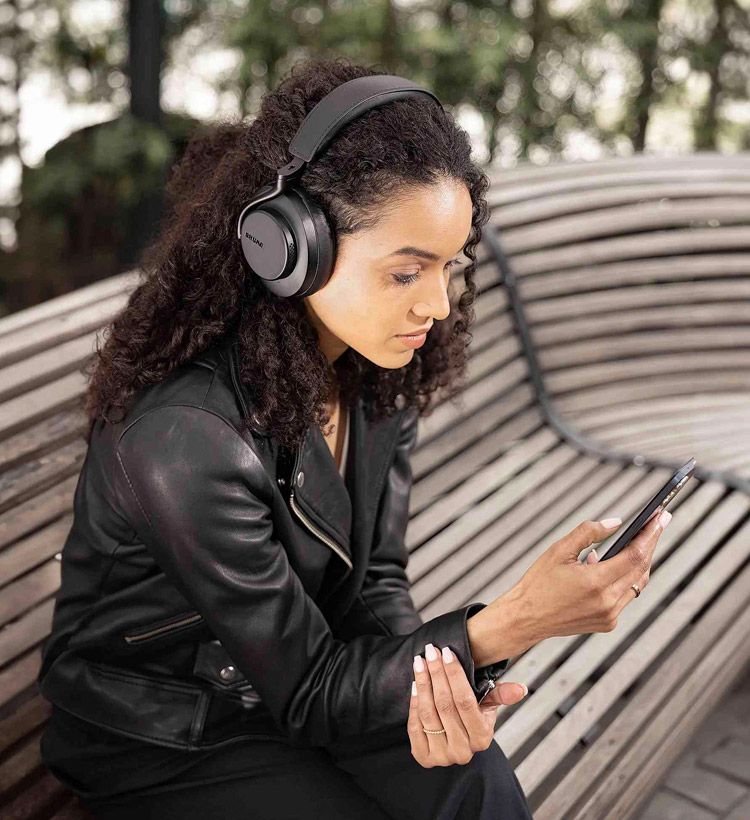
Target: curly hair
[(194, 286)]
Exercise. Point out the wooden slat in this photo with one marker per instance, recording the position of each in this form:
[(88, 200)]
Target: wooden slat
[(68, 302), (28, 480), (645, 343), (21, 763), (587, 199), (26, 631), (624, 218), (19, 676), (41, 403), (528, 179), (27, 718), (456, 455), (41, 368), (25, 593), (36, 440), (26, 341), (638, 297), (35, 549), (676, 268), (528, 261), (41, 798), (645, 389)]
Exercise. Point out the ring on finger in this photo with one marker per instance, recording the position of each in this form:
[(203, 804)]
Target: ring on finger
[(433, 731), (636, 589)]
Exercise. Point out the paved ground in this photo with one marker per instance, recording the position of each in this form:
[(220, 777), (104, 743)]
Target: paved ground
[(712, 777)]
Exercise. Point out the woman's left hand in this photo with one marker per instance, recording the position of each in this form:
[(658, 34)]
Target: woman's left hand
[(445, 700)]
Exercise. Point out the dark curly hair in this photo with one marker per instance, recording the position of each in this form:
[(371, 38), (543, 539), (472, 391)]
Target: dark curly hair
[(195, 287)]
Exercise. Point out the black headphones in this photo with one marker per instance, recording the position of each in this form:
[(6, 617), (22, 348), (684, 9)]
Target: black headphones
[(286, 238)]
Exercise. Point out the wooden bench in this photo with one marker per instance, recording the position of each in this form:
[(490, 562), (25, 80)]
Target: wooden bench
[(611, 342)]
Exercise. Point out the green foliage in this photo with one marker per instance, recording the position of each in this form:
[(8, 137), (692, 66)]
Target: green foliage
[(77, 206)]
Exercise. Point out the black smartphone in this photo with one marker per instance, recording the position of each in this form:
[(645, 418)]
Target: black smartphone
[(661, 499)]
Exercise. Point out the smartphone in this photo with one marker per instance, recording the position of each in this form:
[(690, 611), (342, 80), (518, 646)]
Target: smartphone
[(661, 499)]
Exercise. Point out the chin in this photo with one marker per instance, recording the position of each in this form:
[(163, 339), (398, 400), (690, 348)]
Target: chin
[(390, 361)]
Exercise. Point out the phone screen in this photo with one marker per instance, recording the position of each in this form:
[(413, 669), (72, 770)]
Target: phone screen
[(617, 542)]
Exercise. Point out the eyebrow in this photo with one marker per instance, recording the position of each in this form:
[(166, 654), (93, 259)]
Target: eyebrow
[(410, 250)]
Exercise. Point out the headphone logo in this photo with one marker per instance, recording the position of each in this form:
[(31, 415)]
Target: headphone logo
[(253, 239)]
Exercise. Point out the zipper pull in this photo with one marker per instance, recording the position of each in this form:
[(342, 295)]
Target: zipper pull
[(490, 687)]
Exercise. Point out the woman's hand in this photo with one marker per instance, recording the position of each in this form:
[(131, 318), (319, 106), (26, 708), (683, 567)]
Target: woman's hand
[(445, 700), (559, 595)]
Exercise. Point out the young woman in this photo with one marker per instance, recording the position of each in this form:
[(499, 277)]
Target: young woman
[(234, 635)]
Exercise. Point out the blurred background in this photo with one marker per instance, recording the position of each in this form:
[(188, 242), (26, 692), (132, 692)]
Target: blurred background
[(98, 97)]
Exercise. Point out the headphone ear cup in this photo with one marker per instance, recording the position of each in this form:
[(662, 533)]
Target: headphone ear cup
[(288, 244), (268, 243)]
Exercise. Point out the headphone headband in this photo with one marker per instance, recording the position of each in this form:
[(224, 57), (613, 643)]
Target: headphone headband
[(343, 104)]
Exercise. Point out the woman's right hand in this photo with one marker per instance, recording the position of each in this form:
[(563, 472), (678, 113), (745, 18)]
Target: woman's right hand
[(559, 595)]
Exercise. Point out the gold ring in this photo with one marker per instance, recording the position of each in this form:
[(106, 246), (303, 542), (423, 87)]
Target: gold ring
[(636, 589), (434, 731)]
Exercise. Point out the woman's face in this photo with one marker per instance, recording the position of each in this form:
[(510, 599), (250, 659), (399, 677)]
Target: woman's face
[(376, 292)]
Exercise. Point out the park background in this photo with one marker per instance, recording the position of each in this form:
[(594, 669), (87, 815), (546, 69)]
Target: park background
[(99, 97)]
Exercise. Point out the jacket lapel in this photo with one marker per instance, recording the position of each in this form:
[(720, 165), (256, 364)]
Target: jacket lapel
[(323, 495), (343, 509)]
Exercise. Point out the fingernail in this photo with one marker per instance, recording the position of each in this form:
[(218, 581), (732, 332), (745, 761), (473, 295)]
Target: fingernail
[(665, 518), (447, 655), (610, 523), (413, 688), (418, 663), (525, 689), (430, 652)]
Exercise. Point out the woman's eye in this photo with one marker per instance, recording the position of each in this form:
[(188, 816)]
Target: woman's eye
[(408, 278), (405, 279)]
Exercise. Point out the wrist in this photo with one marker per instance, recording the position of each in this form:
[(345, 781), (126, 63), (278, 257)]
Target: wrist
[(502, 629)]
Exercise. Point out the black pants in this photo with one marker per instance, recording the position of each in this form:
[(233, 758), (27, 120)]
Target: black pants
[(373, 778)]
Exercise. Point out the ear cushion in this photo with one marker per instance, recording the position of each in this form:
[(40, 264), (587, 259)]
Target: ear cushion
[(320, 240)]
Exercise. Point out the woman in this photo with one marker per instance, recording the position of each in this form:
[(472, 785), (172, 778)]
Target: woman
[(234, 635)]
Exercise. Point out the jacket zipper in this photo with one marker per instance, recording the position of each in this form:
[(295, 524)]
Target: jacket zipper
[(302, 517), (159, 630), (323, 537), (490, 687)]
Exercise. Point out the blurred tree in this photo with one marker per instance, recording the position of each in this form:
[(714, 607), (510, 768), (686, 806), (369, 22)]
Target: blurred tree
[(544, 77), (16, 47), (97, 198), (720, 52)]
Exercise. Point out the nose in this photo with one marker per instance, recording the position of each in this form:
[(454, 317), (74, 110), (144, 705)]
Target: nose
[(438, 303)]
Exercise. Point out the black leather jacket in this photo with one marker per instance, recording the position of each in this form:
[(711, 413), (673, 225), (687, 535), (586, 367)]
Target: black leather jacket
[(215, 586)]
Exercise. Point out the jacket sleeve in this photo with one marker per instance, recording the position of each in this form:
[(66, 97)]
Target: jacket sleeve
[(199, 497), (384, 604)]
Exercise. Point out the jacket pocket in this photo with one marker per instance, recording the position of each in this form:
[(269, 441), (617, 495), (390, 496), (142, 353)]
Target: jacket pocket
[(159, 629), (213, 664)]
